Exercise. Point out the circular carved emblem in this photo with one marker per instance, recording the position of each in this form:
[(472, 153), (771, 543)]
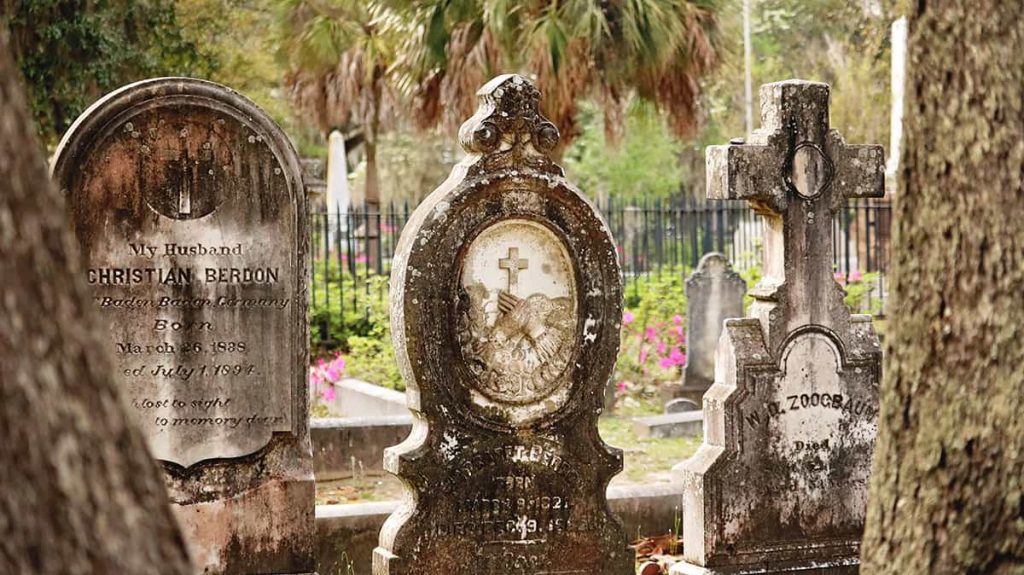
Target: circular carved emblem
[(810, 170), (185, 173)]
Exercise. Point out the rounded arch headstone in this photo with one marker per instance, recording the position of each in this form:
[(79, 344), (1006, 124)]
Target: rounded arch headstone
[(188, 204), (714, 293), (506, 310)]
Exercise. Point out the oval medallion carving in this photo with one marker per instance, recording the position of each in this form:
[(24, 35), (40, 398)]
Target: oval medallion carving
[(517, 317), (810, 170)]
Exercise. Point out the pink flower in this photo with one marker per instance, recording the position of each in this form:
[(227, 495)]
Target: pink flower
[(650, 333), (339, 362), (643, 355), (679, 331), (665, 363), (855, 276), (627, 317), (839, 277), (333, 373), (677, 357), (328, 393), (621, 387), (661, 348), (677, 319)]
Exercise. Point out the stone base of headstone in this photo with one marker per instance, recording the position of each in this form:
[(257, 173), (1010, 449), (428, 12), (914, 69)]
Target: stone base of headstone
[(682, 424), (268, 527), (690, 569), (681, 405)]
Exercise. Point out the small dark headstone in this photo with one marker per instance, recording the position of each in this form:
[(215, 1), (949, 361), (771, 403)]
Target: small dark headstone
[(681, 405), (506, 310), (714, 293), (188, 204)]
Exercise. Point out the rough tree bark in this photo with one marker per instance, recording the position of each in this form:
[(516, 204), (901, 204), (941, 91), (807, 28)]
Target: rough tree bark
[(79, 493), (949, 464)]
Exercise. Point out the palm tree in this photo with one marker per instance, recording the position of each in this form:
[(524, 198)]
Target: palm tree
[(342, 56), (608, 50), (351, 60)]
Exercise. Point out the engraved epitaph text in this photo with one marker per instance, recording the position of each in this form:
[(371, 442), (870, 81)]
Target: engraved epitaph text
[(184, 213)]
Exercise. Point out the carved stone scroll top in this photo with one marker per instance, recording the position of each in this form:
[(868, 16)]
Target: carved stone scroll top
[(508, 120)]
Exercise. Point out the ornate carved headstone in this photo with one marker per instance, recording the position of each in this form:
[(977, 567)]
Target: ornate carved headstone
[(506, 309), (781, 480), (188, 204), (714, 293)]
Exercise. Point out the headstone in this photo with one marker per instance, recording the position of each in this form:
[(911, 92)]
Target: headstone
[(313, 179), (781, 480), (188, 205), (337, 174), (681, 405), (898, 80), (714, 293), (506, 309)]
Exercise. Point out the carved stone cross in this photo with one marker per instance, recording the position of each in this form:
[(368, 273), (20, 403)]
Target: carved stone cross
[(796, 172), (513, 264), (794, 405)]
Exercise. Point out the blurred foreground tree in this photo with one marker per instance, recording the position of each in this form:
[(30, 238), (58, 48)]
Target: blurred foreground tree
[(71, 52), (78, 490), (948, 478)]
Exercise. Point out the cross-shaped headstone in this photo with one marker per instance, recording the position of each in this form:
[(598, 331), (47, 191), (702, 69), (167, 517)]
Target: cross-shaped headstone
[(796, 172), (513, 264)]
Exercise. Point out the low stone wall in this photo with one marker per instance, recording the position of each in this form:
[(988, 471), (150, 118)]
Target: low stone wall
[(347, 534), (356, 398), (348, 446)]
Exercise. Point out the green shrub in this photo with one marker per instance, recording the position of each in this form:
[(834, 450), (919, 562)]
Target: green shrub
[(362, 335), (653, 347), (372, 359)]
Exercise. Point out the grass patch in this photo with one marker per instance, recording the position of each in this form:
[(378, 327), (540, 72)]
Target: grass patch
[(644, 460)]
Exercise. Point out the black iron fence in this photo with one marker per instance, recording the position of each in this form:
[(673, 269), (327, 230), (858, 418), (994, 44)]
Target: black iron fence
[(352, 250)]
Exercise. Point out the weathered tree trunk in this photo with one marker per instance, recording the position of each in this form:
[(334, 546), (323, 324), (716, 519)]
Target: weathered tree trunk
[(79, 493), (949, 464), (372, 197)]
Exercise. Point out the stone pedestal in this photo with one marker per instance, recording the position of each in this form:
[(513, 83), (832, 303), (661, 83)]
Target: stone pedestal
[(188, 205)]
